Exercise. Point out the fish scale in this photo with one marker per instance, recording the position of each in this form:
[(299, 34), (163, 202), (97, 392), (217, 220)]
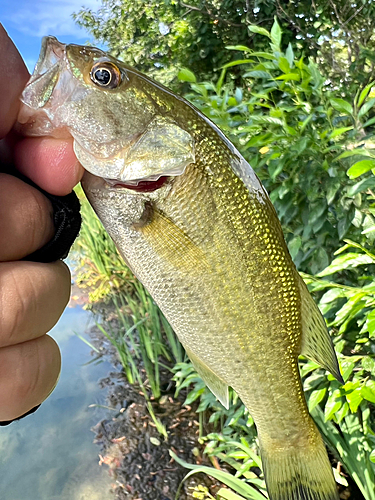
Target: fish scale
[(205, 241)]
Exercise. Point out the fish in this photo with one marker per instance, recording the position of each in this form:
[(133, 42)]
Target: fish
[(196, 226)]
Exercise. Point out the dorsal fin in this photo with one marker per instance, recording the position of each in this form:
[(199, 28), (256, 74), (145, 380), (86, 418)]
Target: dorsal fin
[(216, 385), (316, 341)]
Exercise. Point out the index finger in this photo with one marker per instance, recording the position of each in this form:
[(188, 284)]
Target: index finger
[(13, 78)]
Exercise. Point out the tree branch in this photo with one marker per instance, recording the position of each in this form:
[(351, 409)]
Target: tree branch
[(208, 13)]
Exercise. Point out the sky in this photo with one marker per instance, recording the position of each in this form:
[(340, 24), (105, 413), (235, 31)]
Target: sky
[(27, 21)]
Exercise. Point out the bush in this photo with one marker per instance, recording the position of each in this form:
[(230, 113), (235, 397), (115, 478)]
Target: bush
[(301, 139)]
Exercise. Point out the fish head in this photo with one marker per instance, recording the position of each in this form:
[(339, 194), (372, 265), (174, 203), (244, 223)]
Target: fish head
[(119, 121)]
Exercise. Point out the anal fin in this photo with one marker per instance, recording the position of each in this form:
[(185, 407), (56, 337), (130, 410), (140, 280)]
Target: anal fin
[(216, 385), (316, 342)]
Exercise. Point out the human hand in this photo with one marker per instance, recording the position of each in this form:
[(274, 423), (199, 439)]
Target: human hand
[(32, 295)]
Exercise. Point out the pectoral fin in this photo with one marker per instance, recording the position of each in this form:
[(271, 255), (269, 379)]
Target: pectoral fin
[(173, 245), (316, 342), (216, 385), (164, 148)]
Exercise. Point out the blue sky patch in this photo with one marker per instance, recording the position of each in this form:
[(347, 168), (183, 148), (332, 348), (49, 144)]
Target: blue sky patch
[(27, 21)]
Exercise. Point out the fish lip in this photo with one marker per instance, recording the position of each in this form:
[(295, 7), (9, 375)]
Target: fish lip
[(51, 52), (49, 64)]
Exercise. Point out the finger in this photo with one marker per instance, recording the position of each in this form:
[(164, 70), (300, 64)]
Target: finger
[(13, 78), (26, 219), (32, 298), (50, 163), (28, 374)]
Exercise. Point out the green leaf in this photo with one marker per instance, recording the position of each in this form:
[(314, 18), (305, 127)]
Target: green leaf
[(185, 75), (364, 93), (360, 168), (265, 55), (260, 31), (354, 152), (342, 106), (257, 74), (224, 494), (347, 370), (305, 122), (243, 48), (316, 397), (371, 323), (346, 261), (372, 456), (289, 76), (354, 398), (331, 407), (339, 131), (238, 62), (294, 245), (232, 482), (368, 391), (368, 364), (220, 81), (276, 33), (369, 122), (366, 107), (284, 65), (342, 412), (361, 186), (238, 95), (289, 54)]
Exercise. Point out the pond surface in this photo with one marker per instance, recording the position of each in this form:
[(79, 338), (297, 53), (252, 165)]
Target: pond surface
[(50, 455)]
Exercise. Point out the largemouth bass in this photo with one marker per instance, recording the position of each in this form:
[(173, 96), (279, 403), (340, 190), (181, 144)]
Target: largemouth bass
[(195, 225)]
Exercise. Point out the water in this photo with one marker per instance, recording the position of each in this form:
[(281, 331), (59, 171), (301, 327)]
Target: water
[(50, 455)]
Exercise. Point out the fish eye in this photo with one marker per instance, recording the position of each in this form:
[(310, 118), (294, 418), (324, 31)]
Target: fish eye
[(105, 75)]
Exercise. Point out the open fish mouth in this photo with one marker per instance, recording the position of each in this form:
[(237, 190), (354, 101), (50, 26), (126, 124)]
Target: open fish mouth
[(48, 88), (51, 53), (45, 76)]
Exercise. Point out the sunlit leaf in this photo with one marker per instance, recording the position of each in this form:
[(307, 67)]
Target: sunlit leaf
[(368, 391), (339, 131), (185, 75), (345, 261), (276, 33), (332, 405), (261, 31), (366, 107), (316, 397), (360, 168), (342, 106), (289, 54), (364, 93), (289, 76)]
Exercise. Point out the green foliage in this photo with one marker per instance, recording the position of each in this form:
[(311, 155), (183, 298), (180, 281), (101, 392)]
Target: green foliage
[(158, 36), (243, 488), (337, 33), (302, 140), (350, 312)]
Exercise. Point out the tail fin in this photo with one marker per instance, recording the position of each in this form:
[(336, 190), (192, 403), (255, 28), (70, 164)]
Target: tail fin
[(299, 473)]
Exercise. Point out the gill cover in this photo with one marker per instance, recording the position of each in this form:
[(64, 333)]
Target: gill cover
[(163, 148)]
